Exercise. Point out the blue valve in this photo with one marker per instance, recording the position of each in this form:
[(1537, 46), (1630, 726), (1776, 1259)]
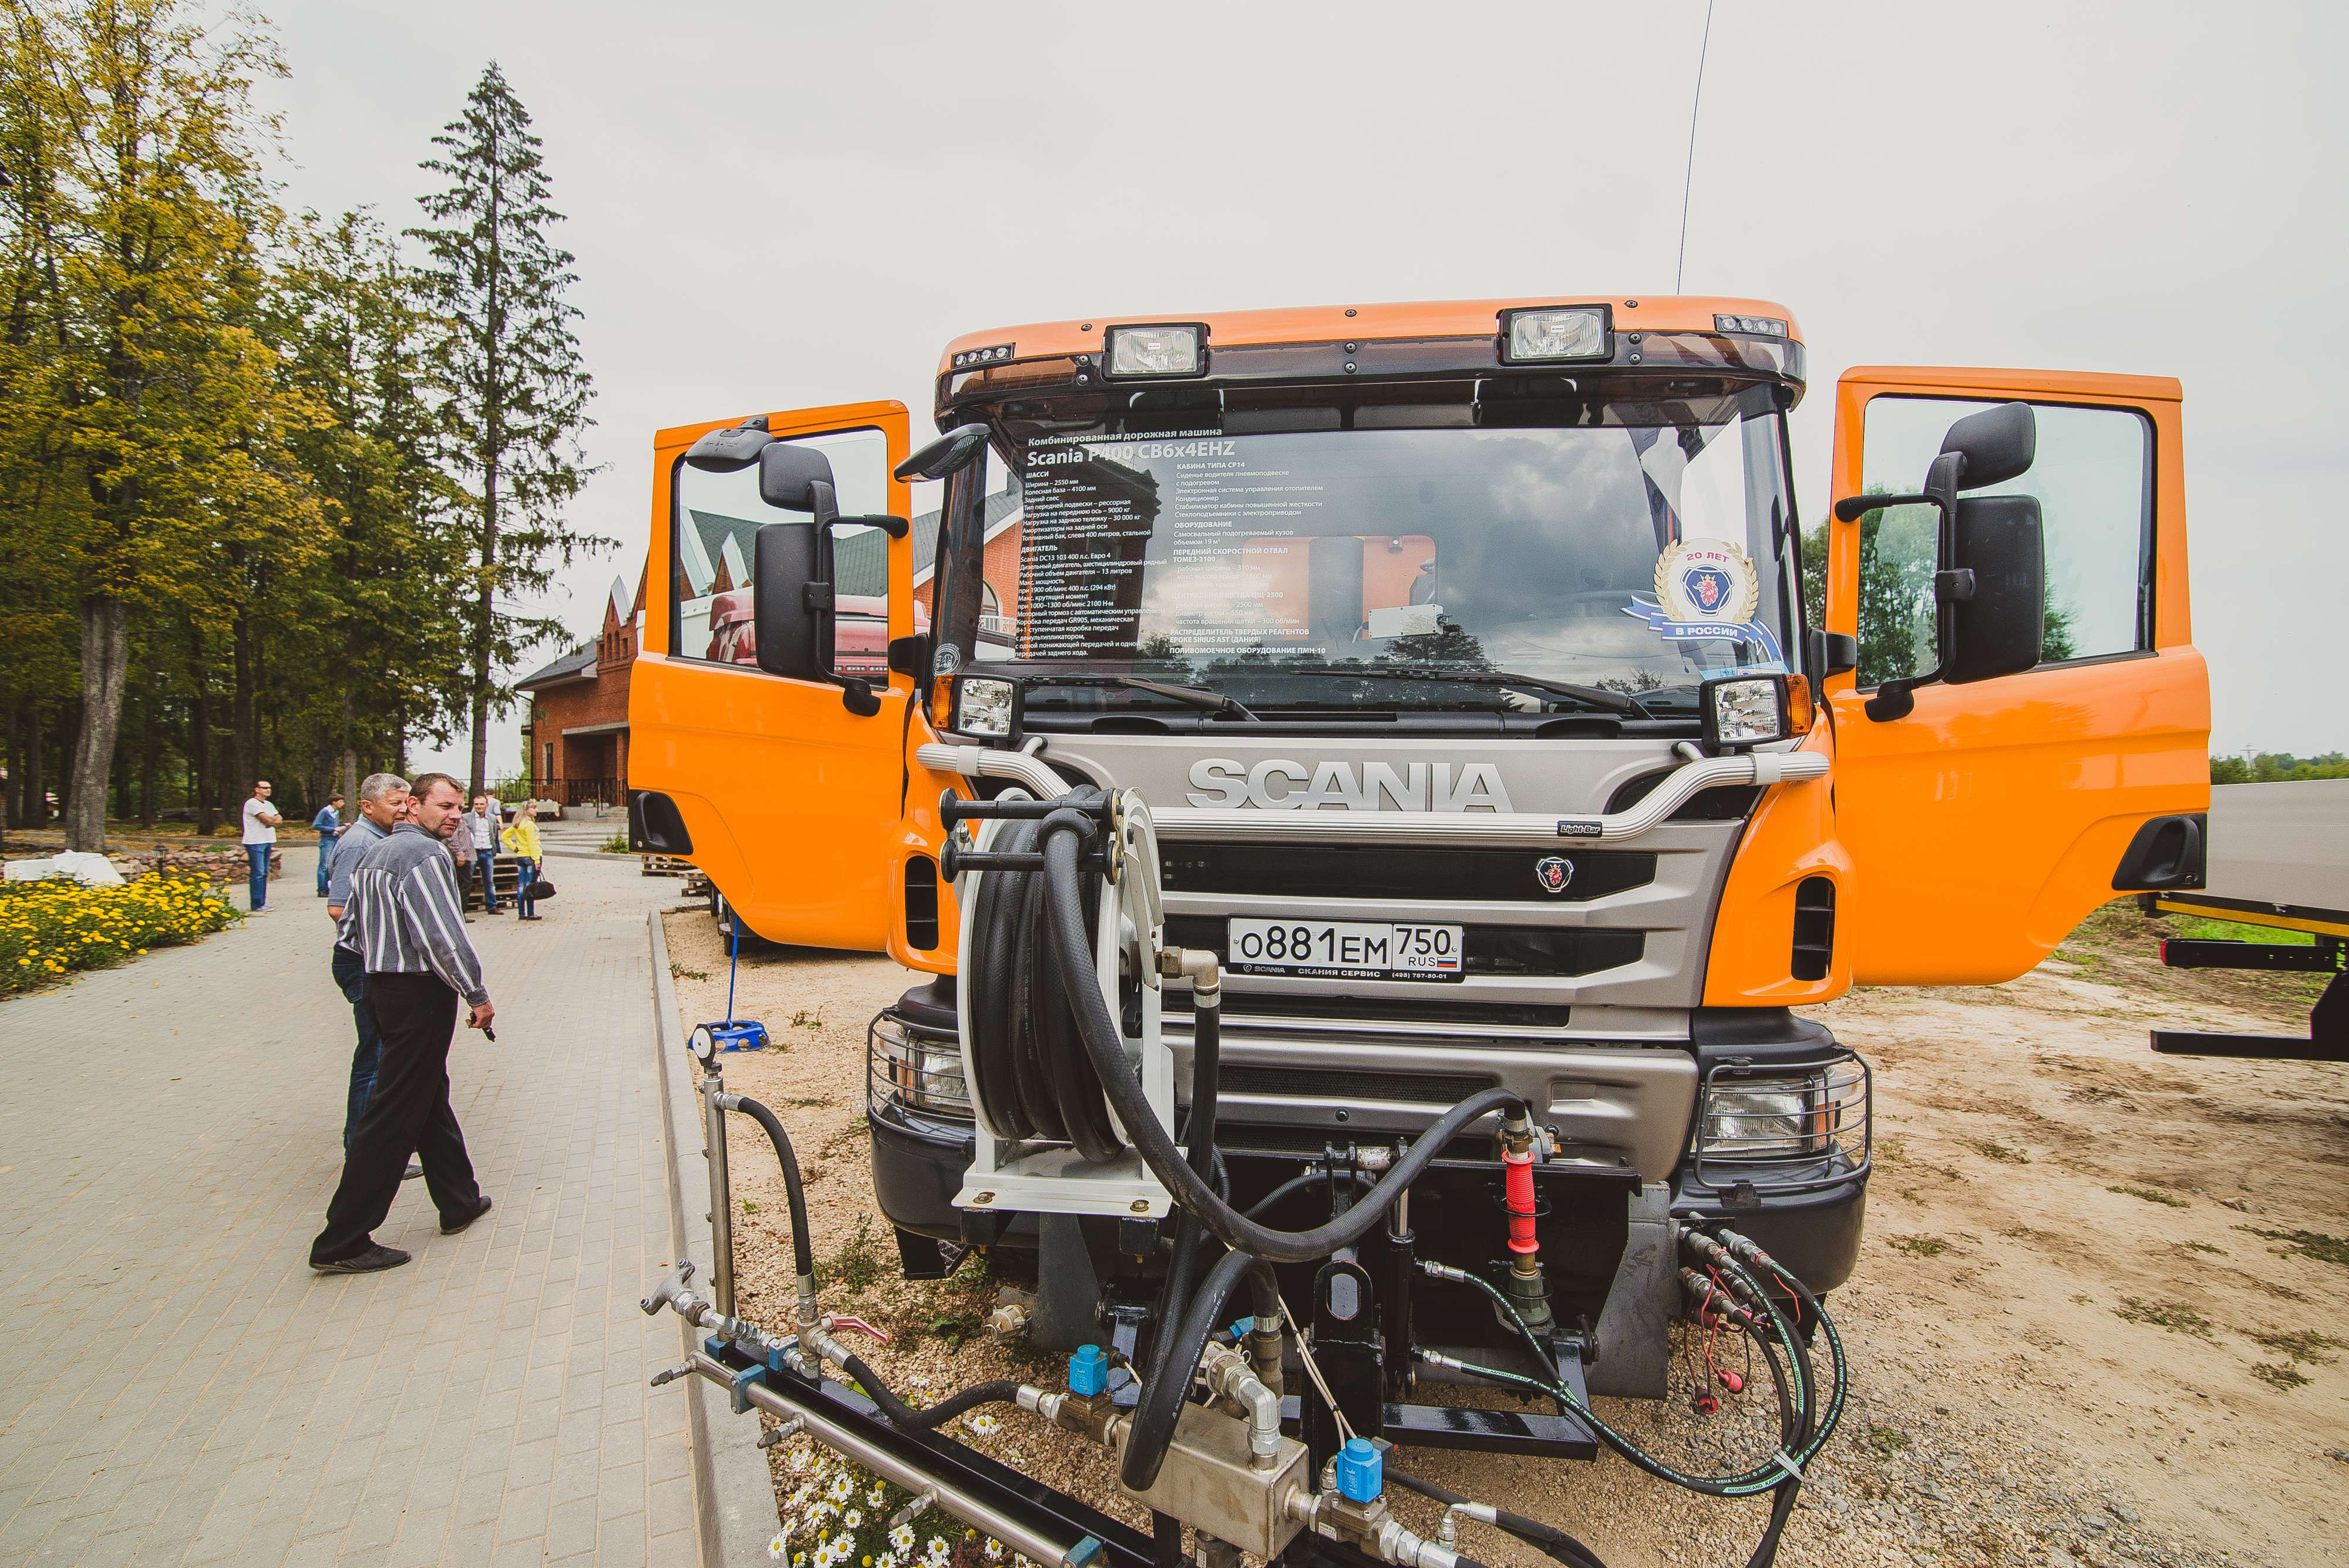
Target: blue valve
[(1242, 1327), (1360, 1471), (1088, 1370)]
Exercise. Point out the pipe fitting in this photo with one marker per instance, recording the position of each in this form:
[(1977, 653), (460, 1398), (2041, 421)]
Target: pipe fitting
[(1201, 967), (1231, 1379)]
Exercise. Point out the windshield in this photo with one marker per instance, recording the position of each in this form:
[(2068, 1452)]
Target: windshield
[(1311, 568)]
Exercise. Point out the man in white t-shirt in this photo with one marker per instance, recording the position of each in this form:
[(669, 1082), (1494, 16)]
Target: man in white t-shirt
[(481, 824), (261, 820)]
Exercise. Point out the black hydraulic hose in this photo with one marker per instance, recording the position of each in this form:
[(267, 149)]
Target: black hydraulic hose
[(1295, 1184), (1064, 917), (1002, 1391), (1207, 1057), (1169, 1386), (802, 1250), (1553, 1541)]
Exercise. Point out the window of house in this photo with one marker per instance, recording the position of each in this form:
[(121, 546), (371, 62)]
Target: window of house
[(2093, 477)]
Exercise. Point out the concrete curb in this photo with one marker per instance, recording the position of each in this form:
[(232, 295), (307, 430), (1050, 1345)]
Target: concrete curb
[(734, 1491)]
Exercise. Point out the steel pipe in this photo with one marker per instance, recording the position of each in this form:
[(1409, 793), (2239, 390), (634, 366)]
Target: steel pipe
[(841, 1441), (721, 1219)]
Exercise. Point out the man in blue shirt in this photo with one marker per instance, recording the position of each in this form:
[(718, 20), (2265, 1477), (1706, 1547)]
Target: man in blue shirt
[(329, 822), (383, 805)]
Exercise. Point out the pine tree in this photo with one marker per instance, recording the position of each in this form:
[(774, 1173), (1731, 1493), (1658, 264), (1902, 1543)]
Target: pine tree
[(513, 389)]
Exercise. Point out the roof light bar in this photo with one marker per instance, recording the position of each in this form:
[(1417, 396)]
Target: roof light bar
[(1768, 325)]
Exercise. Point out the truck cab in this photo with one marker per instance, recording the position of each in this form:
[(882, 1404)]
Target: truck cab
[(1421, 628)]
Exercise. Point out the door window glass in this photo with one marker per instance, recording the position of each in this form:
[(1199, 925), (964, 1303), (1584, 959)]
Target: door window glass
[(715, 543), (2090, 476)]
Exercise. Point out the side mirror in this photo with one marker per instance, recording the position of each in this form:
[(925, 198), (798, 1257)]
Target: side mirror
[(952, 450), (797, 478), (792, 597), (2000, 598), (1997, 445)]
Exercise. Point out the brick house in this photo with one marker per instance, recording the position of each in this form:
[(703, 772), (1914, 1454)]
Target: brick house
[(576, 737), (999, 571)]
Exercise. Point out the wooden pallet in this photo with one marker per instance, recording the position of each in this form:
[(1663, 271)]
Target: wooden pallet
[(667, 866)]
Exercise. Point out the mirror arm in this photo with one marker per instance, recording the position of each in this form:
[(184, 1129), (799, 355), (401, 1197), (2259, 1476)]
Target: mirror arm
[(895, 527)]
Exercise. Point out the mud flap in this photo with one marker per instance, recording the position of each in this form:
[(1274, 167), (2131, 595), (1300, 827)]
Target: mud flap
[(1634, 1331), (1068, 1291)]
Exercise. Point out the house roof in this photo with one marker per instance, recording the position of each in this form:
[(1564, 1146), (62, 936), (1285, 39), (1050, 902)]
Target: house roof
[(579, 664), (1002, 511)]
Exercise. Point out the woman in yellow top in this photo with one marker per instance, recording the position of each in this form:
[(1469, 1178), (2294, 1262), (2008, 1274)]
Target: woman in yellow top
[(520, 838)]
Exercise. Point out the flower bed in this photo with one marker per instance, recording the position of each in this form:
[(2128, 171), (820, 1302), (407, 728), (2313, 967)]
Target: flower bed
[(839, 1516), (53, 927)]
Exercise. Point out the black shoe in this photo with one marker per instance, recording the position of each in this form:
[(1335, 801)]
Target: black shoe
[(368, 1263), (476, 1214), (413, 1172)]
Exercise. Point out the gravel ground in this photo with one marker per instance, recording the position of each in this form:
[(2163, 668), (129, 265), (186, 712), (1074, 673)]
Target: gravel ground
[(2070, 1340)]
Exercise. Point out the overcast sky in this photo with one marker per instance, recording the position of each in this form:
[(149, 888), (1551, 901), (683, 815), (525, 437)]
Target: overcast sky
[(785, 205)]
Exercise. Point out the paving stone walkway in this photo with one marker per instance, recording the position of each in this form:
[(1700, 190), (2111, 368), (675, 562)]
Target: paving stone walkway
[(177, 1387)]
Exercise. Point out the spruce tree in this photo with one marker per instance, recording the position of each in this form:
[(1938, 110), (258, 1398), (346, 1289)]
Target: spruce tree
[(512, 389)]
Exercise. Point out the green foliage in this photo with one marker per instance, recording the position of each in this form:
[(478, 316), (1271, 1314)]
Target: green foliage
[(2277, 767)]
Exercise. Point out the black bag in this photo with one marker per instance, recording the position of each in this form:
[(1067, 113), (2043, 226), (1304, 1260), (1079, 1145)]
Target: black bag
[(540, 888)]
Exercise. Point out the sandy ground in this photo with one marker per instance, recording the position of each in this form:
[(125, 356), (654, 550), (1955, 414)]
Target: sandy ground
[(2073, 1338)]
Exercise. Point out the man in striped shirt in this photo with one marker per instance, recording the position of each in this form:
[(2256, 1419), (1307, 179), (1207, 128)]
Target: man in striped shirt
[(408, 923)]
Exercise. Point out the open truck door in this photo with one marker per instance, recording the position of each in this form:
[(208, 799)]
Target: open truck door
[(2022, 723), (761, 703)]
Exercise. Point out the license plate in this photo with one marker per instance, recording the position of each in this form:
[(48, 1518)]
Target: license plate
[(1350, 949)]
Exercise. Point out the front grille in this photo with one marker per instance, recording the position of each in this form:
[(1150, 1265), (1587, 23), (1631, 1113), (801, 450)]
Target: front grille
[(1348, 1087), (1394, 871), (1242, 1006), (1528, 950)]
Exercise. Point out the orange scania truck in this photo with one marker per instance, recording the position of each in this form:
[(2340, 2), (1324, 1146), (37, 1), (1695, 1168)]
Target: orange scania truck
[(1499, 721)]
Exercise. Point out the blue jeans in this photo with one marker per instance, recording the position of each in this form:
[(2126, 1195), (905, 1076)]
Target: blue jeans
[(350, 978), (485, 867), (326, 857), (525, 873), (258, 854)]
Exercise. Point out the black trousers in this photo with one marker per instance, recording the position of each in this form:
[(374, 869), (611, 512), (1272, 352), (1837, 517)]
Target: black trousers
[(408, 1109)]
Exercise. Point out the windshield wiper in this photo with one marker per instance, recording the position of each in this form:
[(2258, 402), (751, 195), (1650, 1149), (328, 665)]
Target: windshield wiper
[(1189, 696), (1590, 696)]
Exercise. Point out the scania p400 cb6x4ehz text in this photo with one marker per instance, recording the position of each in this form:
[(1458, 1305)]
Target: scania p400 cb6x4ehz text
[(1391, 773)]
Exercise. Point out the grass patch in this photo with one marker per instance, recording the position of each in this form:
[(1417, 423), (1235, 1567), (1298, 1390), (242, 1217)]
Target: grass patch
[(750, 1206), (806, 1020), (2175, 1317), (615, 844), (808, 1103), (1997, 1151), (2200, 1247), (2303, 1345), (678, 971), (1918, 1246), (2284, 1376), (2307, 1243), (858, 1263), (1887, 1440), (2230, 931), (2150, 1195), (853, 1133), (2074, 955)]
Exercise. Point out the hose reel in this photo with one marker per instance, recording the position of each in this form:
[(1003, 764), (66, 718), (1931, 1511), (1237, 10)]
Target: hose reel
[(1048, 1140)]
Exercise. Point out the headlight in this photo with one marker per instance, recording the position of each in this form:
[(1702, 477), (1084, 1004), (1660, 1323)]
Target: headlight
[(1153, 351), (1536, 337), (914, 1068), (1745, 710), (1764, 1119), (1768, 325), (983, 706)]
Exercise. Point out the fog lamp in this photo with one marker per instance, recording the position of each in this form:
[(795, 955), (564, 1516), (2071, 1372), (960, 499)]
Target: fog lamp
[(1745, 710), (1536, 337), (983, 706), (1153, 351)]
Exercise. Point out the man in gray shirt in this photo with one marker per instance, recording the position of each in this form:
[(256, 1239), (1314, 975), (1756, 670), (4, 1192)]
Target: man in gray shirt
[(383, 802), (408, 925)]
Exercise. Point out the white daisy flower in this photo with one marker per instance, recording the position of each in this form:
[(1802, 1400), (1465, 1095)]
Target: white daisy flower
[(886, 1560), (780, 1548), (876, 1496), (851, 1519), (841, 1489), (902, 1538), (986, 1426), (995, 1548), (938, 1551), (799, 1460)]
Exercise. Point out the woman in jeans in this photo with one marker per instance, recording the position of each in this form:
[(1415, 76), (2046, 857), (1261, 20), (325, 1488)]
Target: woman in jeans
[(520, 838)]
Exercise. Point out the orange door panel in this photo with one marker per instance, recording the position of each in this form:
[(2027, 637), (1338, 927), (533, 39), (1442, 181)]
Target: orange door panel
[(1986, 824), (790, 800)]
